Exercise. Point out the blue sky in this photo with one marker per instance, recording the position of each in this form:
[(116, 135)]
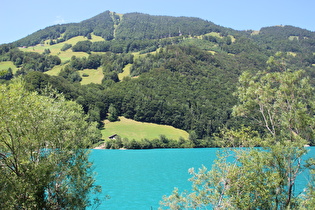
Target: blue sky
[(19, 18)]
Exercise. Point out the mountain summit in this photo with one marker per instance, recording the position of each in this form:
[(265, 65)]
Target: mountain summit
[(111, 25)]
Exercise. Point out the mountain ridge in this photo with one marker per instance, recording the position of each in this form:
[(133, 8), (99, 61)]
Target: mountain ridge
[(139, 26), (104, 24)]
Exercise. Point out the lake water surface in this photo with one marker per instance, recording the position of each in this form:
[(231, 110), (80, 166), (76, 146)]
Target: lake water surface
[(137, 179)]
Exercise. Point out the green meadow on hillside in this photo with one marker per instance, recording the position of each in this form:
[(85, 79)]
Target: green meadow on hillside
[(8, 64), (131, 129), (91, 76), (54, 71), (56, 48), (126, 72), (88, 75)]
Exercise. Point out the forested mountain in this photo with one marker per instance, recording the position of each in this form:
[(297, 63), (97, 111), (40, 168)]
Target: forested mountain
[(110, 25), (183, 70), (101, 25)]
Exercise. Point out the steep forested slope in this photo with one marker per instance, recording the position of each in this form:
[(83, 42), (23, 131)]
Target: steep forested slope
[(286, 38), (143, 26), (183, 86), (183, 71), (110, 25)]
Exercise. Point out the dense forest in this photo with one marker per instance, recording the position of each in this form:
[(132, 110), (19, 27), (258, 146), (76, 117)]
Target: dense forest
[(183, 71), (133, 26)]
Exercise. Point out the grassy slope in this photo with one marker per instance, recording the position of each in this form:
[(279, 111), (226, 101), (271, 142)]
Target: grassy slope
[(95, 76), (127, 128), (55, 49), (126, 72), (8, 64), (54, 71), (126, 69)]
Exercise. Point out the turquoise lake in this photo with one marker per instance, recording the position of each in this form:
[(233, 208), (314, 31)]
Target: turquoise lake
[(137, 179)]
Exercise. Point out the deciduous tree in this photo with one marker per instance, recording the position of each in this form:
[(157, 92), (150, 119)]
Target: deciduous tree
[(43, 157), (246, 177)]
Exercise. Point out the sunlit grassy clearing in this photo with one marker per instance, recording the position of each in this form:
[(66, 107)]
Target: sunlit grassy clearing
[(216, 34), (95, 76), (127, 128), (66, 55), (291, 53), (54, 71), (126, 72), (232, 38), (96, 38), (255, 32), (293, 38), (56, 48), (8, 64)]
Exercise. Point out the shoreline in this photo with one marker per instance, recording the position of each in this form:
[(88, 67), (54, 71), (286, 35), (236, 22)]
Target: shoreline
[(102, 146)]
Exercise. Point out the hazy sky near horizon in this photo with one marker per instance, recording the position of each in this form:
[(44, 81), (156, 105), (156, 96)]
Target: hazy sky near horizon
[(19, 18)]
